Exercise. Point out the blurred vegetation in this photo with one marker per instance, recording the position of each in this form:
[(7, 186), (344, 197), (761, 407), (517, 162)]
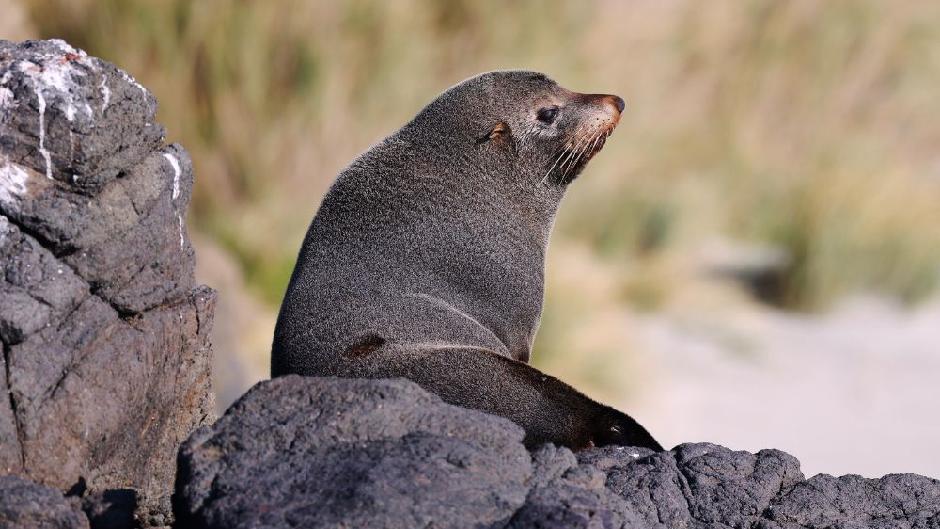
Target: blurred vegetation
[(810, 126), (274, 98)]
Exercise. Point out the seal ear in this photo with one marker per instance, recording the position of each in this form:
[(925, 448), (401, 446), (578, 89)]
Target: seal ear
[(499, 132)]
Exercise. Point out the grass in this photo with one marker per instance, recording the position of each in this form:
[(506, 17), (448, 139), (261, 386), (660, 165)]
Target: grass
[(807, 125)]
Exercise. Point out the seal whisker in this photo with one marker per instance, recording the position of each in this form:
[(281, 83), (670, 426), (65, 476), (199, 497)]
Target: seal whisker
[(571, 153), (593, 143), (567, 153), (589, 148), (596, 146), (581, 152), (571, 160), (574, 152), (552, 168)]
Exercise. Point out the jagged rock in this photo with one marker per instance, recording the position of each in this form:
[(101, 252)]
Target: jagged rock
[(324, 452), (894, 501), (566, 495), (105, 365), (24, 503), (73, 118)]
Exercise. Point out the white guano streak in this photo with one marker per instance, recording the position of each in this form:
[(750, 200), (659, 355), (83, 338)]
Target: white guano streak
[(105, 92), (42, 130), (175, 164), (177, 173), (12, 182), (4, 229)]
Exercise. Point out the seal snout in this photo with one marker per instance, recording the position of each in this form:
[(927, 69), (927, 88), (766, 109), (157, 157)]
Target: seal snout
[(602, 116), (613, 106), (597, 115), (616, 102)]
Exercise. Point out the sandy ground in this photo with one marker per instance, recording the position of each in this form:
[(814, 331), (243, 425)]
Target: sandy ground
[(853, 391)]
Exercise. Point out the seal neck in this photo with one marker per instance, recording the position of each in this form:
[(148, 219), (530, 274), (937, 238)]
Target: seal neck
[(515, 199)]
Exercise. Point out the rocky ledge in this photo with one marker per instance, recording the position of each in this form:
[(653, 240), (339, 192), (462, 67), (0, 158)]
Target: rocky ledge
[(105, 364), (322, 452), (104, 377)]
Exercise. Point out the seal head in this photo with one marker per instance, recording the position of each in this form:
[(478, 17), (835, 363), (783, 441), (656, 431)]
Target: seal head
[(527, 127)]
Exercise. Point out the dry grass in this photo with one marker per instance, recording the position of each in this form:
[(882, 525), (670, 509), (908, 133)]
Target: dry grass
[(809, 125)]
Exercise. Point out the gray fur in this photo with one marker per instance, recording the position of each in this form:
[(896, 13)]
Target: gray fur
[(426, 257)]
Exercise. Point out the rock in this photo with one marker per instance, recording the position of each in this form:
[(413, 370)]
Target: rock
[(324, 452), (896, 500), (112, 509), (105, 365), (566, 495), (698, 484), (24, 503), (73, 118)]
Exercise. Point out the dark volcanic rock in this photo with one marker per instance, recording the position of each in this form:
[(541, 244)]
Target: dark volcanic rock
[(322, 452), (112, 508), (105, 365), (77, 119), (566, 495), (896, 500), (24, 503)]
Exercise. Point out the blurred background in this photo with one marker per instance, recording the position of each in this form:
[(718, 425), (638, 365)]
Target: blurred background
[(753, 260)]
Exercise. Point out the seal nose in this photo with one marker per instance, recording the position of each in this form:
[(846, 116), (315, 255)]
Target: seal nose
[(616, 101)]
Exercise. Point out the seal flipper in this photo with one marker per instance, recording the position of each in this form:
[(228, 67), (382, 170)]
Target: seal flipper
[(546, 408)]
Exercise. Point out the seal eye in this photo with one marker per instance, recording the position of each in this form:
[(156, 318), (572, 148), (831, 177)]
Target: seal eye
[(547, 115)]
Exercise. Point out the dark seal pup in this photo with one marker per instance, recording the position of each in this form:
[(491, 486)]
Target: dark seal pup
[(426, 257)]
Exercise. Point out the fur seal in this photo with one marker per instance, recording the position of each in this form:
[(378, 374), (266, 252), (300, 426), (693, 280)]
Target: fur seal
[(426, 257)]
